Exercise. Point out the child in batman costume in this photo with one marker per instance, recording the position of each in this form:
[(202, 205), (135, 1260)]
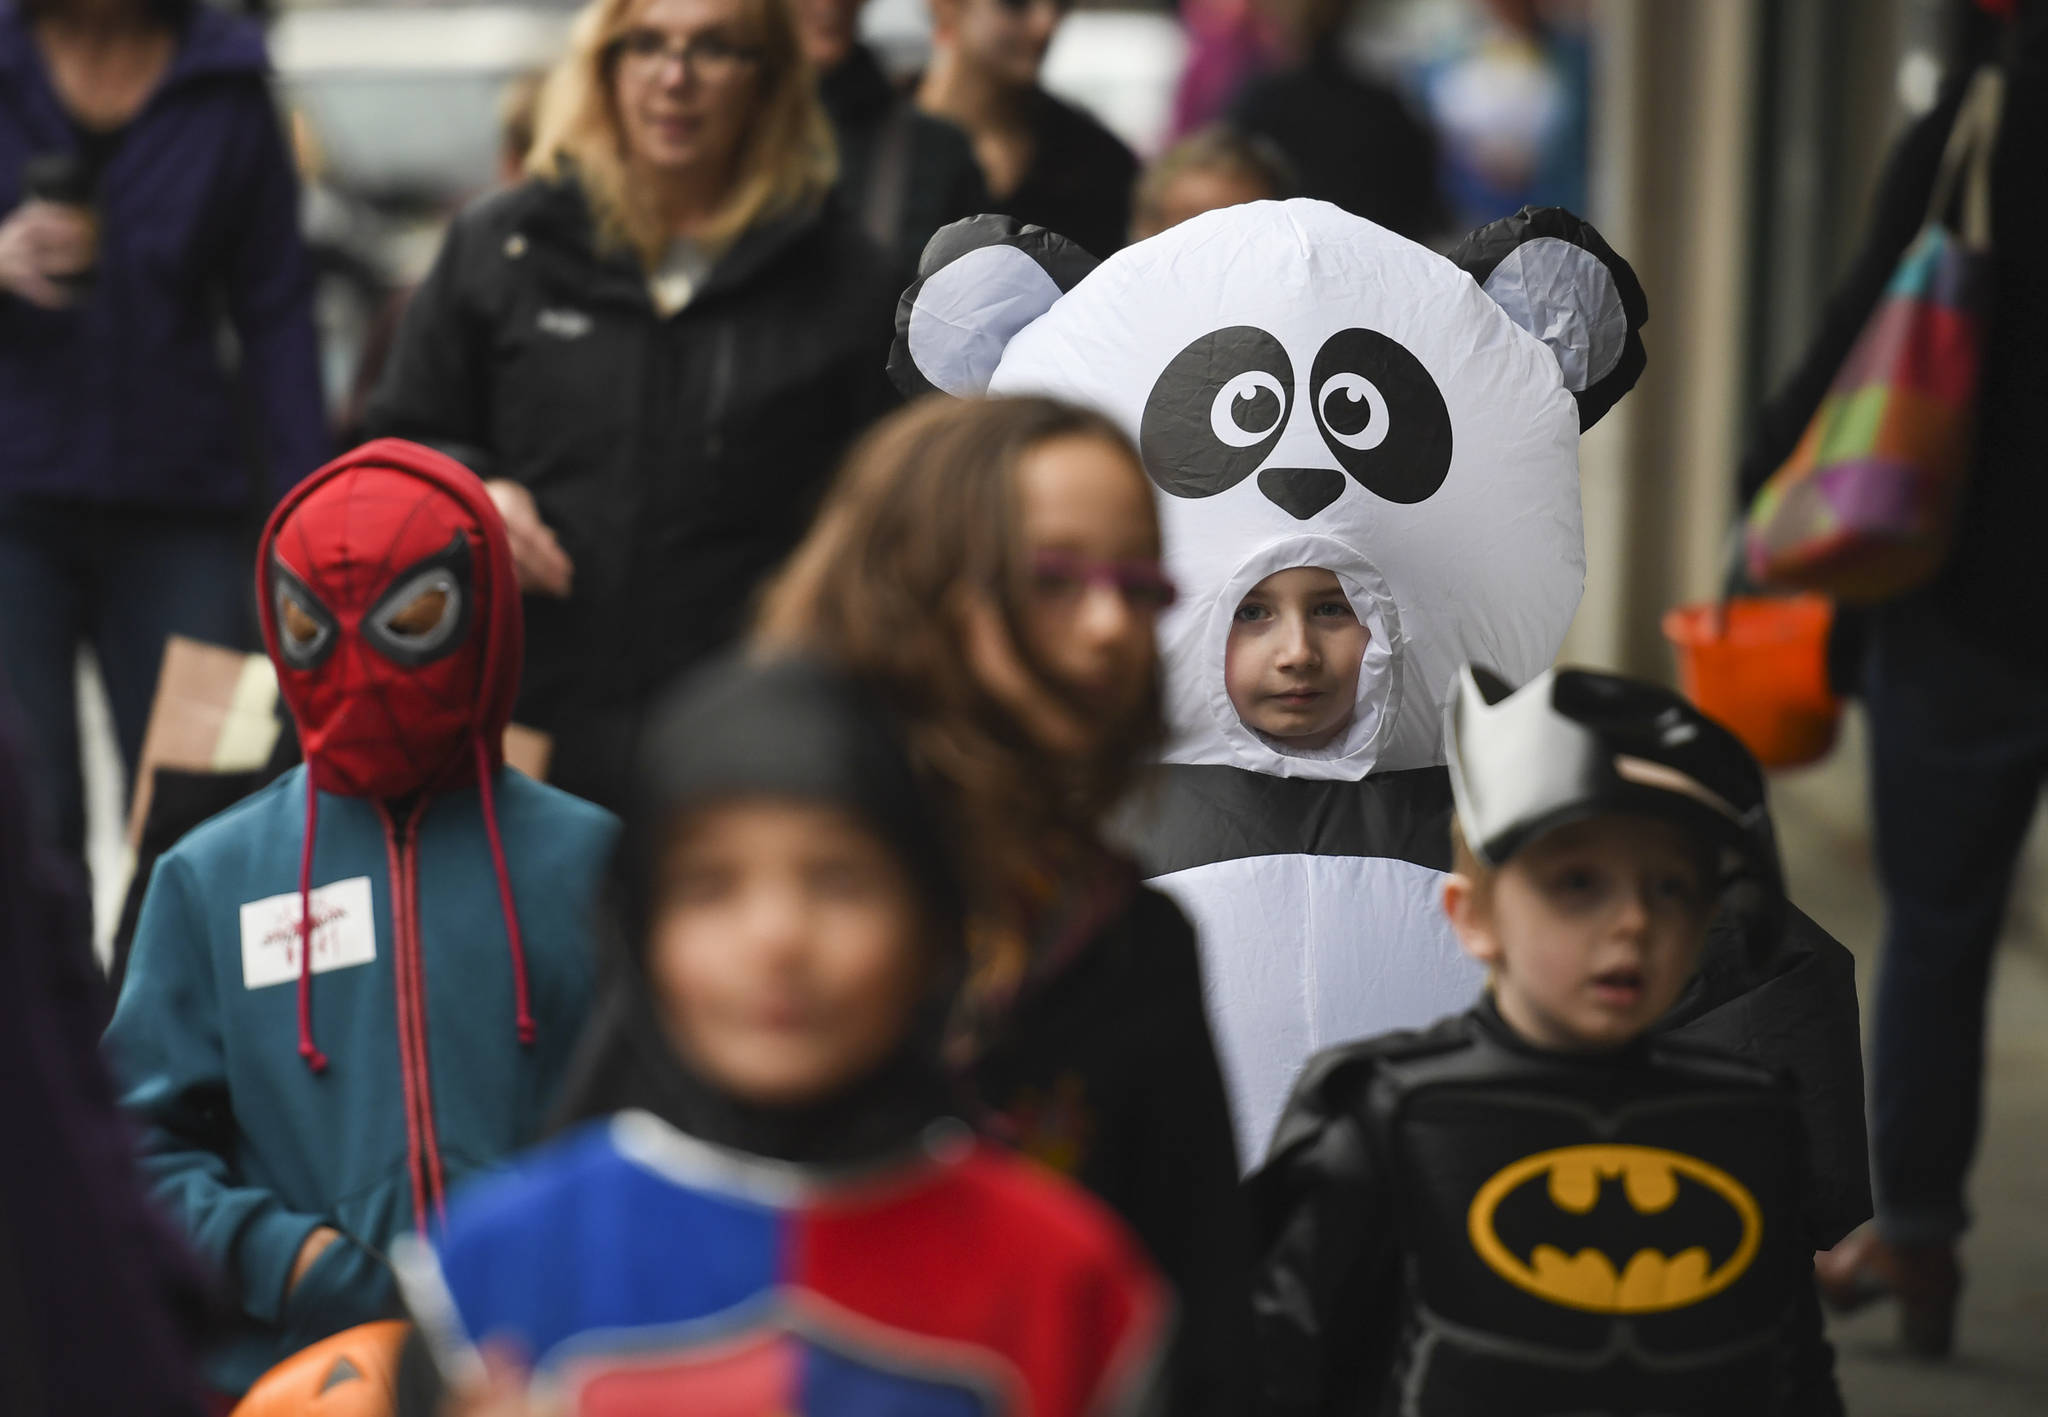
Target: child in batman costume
[(772, 1210), (1541, 1205), (300, 1107)]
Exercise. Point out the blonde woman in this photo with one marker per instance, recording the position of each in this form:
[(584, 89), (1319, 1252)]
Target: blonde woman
[(653, 350)]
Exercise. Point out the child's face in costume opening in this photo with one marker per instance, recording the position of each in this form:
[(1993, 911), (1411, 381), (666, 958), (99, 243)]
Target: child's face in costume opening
[(1291, 663), (1591, 931), (1094, 589), (787, 952)]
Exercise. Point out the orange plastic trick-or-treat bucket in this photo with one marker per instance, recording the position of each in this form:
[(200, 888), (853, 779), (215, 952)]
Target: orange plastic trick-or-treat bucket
[(1759, 665), (352, 1374)]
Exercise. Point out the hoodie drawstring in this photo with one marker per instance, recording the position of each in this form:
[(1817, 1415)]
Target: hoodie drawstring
[(314, 1058), (490, 806), (422, 1144)]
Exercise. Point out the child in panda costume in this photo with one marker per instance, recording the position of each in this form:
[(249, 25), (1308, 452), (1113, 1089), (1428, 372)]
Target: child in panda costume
[(1311, 391)]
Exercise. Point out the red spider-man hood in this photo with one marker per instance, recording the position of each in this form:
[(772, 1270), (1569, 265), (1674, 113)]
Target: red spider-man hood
[(391, 610), (386, 706)]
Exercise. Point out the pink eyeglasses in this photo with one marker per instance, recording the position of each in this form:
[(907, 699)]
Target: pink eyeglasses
[(1061, 576)]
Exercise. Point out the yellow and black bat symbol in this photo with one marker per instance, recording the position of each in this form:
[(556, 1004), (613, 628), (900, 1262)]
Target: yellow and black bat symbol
[(1615, 1229)]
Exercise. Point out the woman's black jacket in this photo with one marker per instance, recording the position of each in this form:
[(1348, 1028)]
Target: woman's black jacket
[(677, 459)]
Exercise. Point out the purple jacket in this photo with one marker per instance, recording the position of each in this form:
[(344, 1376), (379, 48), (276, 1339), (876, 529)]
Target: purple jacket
[(124, 398), (99, 1304)]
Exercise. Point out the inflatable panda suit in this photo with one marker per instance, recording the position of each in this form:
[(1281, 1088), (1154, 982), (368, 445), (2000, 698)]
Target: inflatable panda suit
[(1309, 389)]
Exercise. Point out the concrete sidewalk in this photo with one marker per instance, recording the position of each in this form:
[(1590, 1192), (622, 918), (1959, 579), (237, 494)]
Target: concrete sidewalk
[(2000, 1368)]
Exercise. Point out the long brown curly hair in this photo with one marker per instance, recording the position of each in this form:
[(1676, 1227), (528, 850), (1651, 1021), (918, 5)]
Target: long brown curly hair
[(923, 517)]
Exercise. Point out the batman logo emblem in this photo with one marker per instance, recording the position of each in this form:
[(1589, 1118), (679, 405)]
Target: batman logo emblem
[(1615, 1229)]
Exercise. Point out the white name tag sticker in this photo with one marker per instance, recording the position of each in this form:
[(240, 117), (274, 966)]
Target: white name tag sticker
[(344, 933)]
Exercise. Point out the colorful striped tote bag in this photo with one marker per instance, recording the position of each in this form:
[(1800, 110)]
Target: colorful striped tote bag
[(1864, 507)]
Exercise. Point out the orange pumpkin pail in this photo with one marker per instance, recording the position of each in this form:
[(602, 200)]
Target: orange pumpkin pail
[(1759, 666), (354, 1373)]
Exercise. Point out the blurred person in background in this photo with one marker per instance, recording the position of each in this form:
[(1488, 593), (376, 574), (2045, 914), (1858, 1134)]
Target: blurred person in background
[(654, 349), (905, 174), (149, 208), (1229, 41), (1212, 168), (1512, 104), (1955, 682), (991, 568), (517, 105), (1046, 162), (1350, 137), (518, 111)]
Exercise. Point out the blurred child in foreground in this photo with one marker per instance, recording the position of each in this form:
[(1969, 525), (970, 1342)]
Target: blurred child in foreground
[(776, 1212)]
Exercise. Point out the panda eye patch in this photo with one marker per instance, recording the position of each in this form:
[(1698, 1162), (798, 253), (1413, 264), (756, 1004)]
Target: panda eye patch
[(1353, 411), (1247, 409), (1216, 411), (1382, 415)]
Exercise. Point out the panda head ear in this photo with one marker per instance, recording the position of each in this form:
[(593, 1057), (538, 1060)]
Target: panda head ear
[(979, 281), (1561, 282)]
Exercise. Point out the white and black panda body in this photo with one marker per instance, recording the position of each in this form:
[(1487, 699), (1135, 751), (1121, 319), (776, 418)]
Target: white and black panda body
[(1319, 909), (1308, 389)]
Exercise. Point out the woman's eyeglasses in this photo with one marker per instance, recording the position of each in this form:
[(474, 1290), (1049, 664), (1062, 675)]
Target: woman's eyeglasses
[(706, 57), (1060, 578)]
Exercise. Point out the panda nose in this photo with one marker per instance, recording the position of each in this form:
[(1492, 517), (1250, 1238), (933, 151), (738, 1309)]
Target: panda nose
[(1301, 492)]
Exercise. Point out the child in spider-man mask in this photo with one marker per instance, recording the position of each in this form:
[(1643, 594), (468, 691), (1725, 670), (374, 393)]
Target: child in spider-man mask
[(302, 1108)]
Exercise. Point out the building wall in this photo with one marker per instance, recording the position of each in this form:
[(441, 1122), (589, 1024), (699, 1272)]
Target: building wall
[(1735, 146)]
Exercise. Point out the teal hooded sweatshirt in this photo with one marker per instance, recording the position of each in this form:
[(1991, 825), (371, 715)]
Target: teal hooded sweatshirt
[(423, 1074)]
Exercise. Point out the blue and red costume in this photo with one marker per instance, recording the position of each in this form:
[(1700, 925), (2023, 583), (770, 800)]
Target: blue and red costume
[(644, 1271)]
